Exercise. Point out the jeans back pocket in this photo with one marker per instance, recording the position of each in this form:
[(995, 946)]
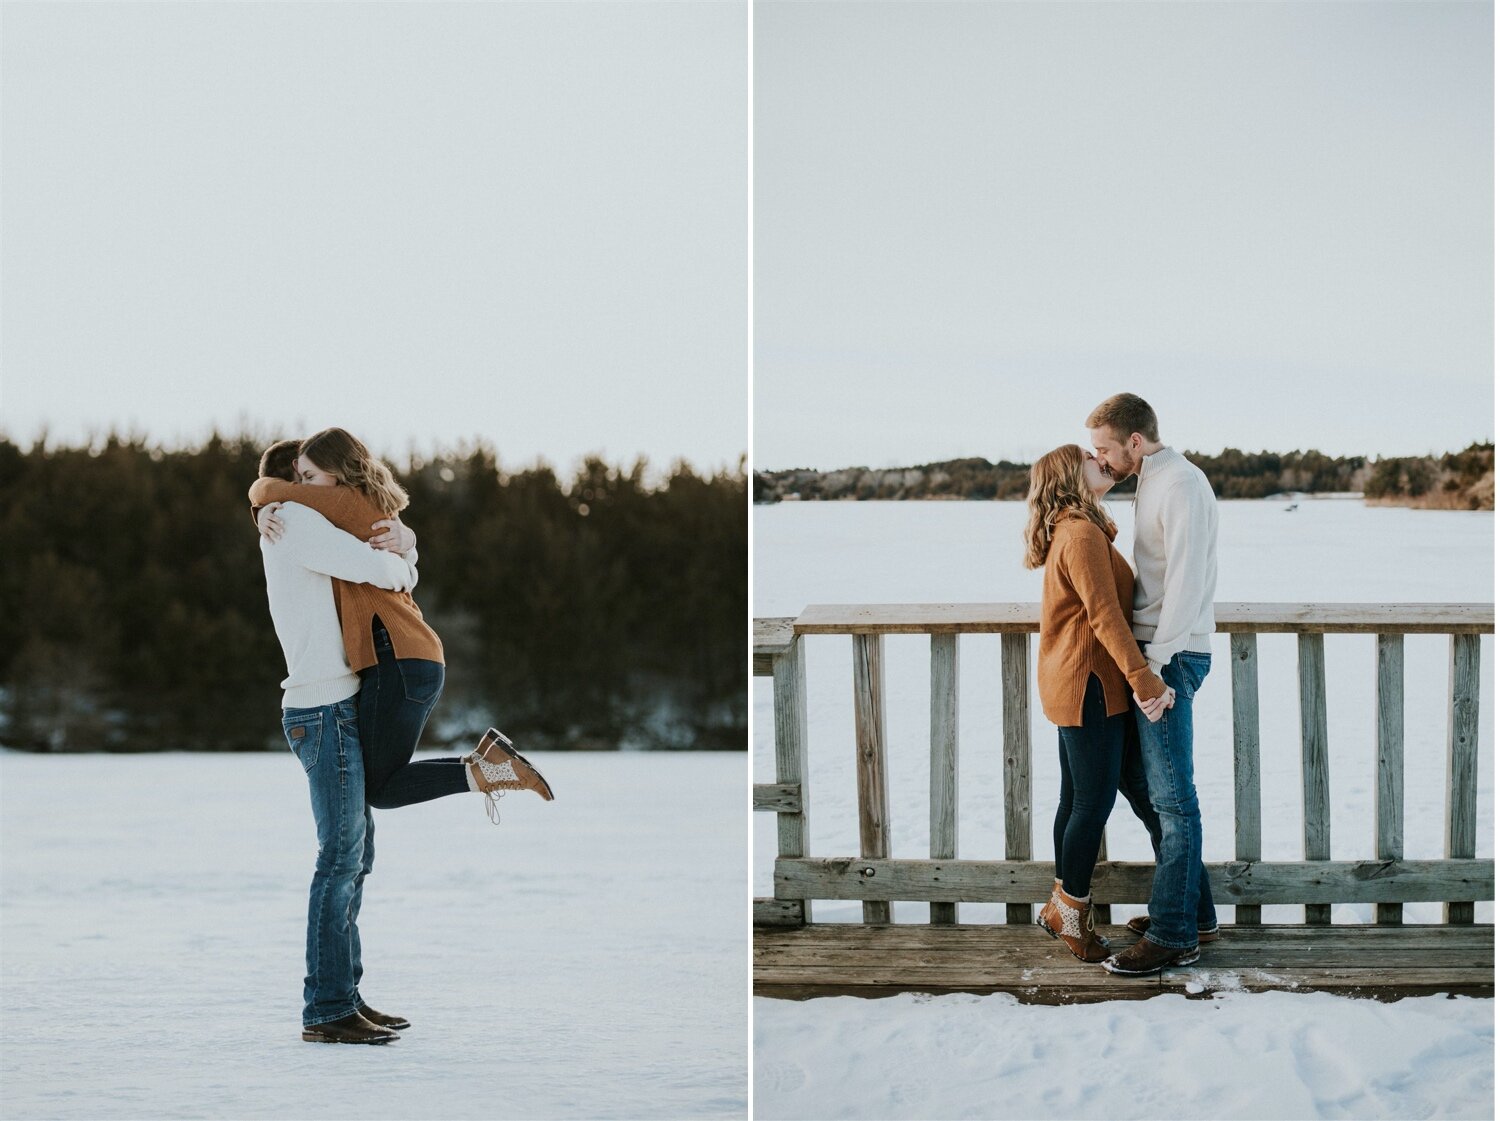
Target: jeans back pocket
[(421, 680), (304, 734), (1194, 665)]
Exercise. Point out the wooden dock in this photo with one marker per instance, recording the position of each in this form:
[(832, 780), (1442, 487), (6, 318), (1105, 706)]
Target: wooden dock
[(1377, 962), (1385, 960)]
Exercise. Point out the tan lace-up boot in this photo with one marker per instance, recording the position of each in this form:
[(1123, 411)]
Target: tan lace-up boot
[(1072, 920), (495, 767)]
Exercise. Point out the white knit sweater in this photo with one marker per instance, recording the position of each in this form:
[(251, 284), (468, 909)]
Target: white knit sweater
[(1176, 557), (298, 585)]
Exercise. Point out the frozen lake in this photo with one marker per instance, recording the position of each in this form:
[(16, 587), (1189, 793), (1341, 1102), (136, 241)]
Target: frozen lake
[(913, 552), (1238, 1055), (584, 959)]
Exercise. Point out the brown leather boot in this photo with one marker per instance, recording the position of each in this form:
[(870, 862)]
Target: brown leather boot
[(1146, 957), (352, 1028), (1047, 917), (1142, 923), (381, 1020), (495, 767), (1072, 920)]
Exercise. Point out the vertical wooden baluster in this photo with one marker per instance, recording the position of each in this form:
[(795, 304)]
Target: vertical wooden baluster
[(1245, 687), (1312, 678), (1102, 913), (789, 703), (943, 782), (1015, 673), (1462, 799), (1390, 752), (870, 770)]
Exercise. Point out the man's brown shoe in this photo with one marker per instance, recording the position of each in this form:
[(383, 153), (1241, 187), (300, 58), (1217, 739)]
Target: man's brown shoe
[(495, 767), (1146, 957), (353, 1028), (1142, 923), (381, 1020)]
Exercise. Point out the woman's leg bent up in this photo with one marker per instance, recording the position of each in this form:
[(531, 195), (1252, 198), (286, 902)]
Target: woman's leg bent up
[(396, 696)]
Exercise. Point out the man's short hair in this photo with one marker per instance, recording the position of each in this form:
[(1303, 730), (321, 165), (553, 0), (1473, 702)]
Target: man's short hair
[(1123, 414), (279, 461)]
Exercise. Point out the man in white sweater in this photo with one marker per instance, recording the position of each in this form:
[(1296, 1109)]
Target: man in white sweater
[(1176, 570), (319, 716)]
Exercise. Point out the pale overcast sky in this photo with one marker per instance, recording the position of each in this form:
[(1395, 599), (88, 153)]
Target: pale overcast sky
[(974, 221), (421, 221)]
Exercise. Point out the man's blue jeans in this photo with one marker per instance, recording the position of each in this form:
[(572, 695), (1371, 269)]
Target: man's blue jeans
[(1158, 782), (326, 742)]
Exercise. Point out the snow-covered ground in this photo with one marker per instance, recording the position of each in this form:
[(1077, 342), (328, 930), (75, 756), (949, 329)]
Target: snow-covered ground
[(585, 959), (1291, 1056), (1241, 1055)]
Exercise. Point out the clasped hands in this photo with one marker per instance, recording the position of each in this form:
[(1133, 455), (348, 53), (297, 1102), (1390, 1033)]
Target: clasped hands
[(397, 538), (1157, 707)]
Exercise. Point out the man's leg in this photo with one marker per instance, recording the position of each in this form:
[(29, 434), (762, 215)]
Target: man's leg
[(367, 865), (1135, 788), (1180, 884), (1138, 793), (326, 742)]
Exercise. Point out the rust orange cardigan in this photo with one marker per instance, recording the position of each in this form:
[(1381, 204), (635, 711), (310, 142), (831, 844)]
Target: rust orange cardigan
[(1087, 596), (358, 604)]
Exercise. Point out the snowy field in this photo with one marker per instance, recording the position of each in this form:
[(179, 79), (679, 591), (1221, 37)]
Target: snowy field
[(1239, 1055), (585, 959)]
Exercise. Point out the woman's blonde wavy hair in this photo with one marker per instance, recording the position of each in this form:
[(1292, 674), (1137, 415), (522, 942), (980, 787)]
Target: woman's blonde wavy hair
[(1057, 487), (350, 462)]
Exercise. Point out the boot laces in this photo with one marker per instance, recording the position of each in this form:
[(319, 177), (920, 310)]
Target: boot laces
[(502, 774), (492, 804)]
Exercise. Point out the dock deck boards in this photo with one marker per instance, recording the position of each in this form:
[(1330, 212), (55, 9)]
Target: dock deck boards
[(1379, 962)]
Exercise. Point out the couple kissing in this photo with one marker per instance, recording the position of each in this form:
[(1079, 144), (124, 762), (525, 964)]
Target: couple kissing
[(1121, 654)]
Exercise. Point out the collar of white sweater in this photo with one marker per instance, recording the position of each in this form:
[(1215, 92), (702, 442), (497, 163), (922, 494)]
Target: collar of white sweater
[(1154, 463)]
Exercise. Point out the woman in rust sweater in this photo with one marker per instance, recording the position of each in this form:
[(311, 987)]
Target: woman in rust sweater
[(398, 657), (1088, 666)]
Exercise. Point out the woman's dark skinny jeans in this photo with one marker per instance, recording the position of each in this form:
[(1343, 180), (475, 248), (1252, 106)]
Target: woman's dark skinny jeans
[(1090, 758), (396, 695)]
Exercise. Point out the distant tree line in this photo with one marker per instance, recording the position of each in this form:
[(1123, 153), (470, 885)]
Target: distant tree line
[(598, 611), (1462, 480), (1463, 477)]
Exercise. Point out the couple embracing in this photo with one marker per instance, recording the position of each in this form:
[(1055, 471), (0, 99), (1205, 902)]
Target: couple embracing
[(364, 671), (1110, 637)]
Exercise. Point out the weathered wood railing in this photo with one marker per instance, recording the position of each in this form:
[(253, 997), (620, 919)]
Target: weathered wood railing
[(1248, 882)]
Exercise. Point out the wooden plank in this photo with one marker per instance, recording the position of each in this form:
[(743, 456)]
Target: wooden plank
[(1320, 882), (1313, 687), (789, 703), (1244, 675), (777, 797), (1355, 618), (1263, 618), (1384, 962), (869, 765), (776, 912), (1043, 959), (1015, 688), (935, 943), (1103, 915), (772, 638), (1390, 754), (920, 618), (1461, 801), (943, 780)]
